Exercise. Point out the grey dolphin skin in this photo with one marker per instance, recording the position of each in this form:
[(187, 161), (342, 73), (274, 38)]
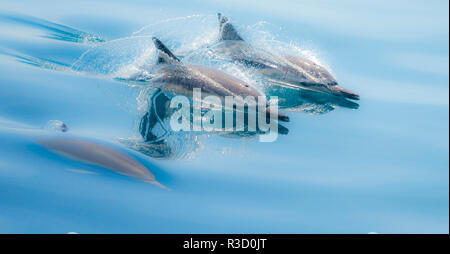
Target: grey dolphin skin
[(283, 71)]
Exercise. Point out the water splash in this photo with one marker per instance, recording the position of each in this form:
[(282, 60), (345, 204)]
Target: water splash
[(56, 126), (183, 34), (118, 57)]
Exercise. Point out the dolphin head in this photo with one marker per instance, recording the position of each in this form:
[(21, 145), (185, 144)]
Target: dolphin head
[(318, 77)]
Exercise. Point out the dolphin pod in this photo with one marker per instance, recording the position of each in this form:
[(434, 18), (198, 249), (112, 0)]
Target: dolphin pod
[(296, 81)]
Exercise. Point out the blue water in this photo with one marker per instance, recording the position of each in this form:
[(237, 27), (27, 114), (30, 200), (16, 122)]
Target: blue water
[(381, 168)]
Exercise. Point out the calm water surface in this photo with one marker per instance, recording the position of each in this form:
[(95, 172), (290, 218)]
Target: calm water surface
[(380, 168)]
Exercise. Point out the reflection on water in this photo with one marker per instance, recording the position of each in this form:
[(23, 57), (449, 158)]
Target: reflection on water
[(308, 101), (160, 141)]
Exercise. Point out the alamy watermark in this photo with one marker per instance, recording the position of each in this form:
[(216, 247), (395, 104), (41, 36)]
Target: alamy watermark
[(235, 114)]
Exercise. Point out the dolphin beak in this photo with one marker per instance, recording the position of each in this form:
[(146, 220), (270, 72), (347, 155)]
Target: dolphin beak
[(347, 93), (350, 94)]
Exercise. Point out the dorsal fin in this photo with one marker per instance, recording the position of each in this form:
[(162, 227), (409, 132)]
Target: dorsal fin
[(164, 54), (227, 30)]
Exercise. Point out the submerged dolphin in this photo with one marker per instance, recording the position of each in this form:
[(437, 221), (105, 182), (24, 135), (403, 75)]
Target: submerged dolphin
[(98, 154), (282, 71)]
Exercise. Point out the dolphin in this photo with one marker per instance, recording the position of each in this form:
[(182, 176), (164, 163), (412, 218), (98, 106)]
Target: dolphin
[(98, 154), (282, 71), (172, 78)]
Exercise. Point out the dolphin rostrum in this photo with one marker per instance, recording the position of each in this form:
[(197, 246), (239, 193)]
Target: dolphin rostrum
[(282, 71)]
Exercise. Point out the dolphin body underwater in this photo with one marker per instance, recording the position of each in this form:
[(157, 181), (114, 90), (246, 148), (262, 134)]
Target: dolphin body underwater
[(173, 78), (286, 72)]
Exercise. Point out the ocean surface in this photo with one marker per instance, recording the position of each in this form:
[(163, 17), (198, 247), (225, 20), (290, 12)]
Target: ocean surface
[(69, 127)]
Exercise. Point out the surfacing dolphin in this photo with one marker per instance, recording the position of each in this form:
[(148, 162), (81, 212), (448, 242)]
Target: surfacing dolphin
[(281, 71), (174, 78)]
